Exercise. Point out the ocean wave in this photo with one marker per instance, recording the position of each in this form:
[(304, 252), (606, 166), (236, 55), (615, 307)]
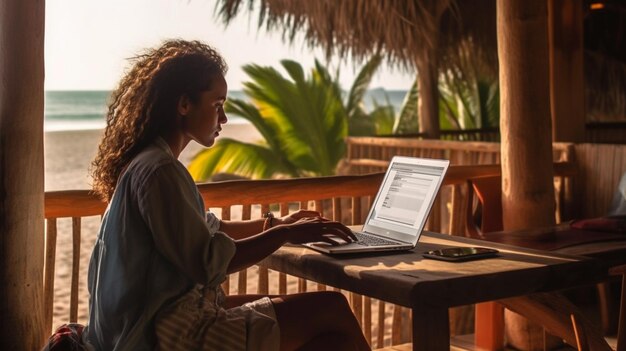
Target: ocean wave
[(74, 116)]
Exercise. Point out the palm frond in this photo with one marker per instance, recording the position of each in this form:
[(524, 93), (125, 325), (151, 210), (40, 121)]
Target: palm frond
[(251, 113), (306, 114), (236, 157), (360, 85), (294, 70), (489, 95), (406, 121), (384, 117)]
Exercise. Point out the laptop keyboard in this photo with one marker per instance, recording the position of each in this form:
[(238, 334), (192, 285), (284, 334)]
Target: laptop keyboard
[(370, 240)]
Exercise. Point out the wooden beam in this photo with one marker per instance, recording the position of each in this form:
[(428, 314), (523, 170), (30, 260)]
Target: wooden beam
[(567, 90), (21, 174)]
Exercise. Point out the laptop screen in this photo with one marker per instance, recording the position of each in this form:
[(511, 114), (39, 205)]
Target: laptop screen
[(405, 198)]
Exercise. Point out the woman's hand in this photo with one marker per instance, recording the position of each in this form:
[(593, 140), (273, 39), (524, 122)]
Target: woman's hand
[(314, 229), (297, 228)]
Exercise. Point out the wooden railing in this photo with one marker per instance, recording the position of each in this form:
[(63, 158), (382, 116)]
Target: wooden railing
[(595, 132), (599, 167), (480, 134), (345, 198), (371, 154)]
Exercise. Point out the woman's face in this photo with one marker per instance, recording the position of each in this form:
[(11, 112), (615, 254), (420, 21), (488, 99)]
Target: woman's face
[(202, 120)]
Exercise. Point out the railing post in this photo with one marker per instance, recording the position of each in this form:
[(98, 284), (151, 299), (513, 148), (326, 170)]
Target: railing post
[(48, 284), (76, 238)]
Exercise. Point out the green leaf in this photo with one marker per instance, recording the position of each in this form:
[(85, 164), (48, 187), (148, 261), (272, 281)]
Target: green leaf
[(236, 157), (406, 121), (360, 85)]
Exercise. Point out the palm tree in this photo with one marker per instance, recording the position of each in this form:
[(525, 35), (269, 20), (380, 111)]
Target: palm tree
[(301, 118), (303, 121)]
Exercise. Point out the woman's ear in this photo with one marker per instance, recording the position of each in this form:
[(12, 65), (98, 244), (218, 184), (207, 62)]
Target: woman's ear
[(183, 105)]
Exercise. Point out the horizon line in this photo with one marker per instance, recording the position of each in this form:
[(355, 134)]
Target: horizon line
[(103, 90)]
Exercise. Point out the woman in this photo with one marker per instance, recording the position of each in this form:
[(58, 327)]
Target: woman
[(158, 253)]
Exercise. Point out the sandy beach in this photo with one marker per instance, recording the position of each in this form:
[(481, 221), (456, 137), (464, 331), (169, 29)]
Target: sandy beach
[(68, 154)]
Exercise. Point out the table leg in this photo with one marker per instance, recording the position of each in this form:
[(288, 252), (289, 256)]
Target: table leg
[(431, 329), (489, 326)]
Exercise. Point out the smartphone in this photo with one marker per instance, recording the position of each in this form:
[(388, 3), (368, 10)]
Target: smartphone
[(456, 254)]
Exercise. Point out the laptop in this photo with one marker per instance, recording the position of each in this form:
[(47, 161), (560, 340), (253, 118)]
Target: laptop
[(399, 212)]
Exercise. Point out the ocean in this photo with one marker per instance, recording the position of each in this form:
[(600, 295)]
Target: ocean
[(85, 110)]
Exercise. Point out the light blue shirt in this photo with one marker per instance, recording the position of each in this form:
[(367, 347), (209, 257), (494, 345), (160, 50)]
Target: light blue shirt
[(155, 243)]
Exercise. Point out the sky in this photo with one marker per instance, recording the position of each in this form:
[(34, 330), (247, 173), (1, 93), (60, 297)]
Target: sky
[(87, 42)]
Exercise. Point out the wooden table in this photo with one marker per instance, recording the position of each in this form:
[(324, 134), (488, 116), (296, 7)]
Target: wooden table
[(430, 287)]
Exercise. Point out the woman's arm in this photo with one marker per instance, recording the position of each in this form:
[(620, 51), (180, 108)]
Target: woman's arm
[(243, 229), (253, 249)]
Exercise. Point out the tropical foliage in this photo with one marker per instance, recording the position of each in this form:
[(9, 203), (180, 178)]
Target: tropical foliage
[(469, 91), (304, 119), (468, 103), (382, 119), (301, 118), (465, 102)]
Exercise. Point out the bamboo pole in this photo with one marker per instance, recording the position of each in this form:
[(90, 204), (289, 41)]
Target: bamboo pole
[(21, 174)]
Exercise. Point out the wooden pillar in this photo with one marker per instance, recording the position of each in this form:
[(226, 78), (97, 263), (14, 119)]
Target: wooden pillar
[(567, 91), (526, 132), (526, 147), (21, 173)]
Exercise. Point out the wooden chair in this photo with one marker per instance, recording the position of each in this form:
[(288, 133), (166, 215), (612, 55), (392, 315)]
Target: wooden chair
[(489, 208), (484, 218)]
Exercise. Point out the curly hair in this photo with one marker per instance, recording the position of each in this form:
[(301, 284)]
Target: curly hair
[(144, 104)]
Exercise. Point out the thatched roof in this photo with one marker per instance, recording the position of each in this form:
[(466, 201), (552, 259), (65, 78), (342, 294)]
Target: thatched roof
[(400, 29)]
